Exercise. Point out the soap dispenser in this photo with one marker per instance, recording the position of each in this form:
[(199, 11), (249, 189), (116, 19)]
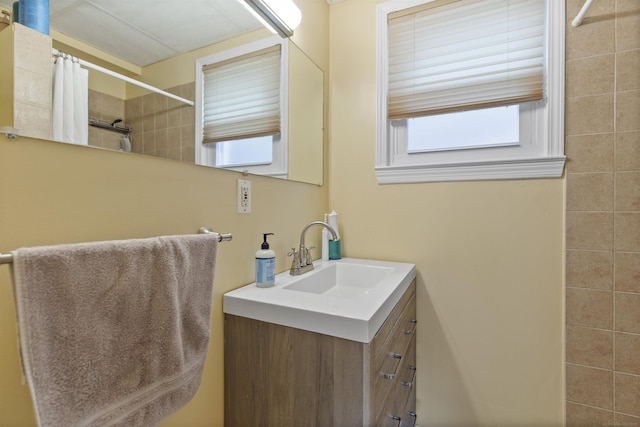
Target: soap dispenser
[(265, 264), (335, 252)]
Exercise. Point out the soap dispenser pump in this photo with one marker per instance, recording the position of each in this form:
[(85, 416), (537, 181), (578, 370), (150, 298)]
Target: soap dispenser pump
[(265, 264)]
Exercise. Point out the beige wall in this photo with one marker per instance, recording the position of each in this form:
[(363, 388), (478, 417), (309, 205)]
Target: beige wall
[(489, 254), (489, 257), (603, 215), (59, 193)]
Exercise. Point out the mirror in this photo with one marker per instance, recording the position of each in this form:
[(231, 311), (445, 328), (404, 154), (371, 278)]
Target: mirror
[(164, 56)]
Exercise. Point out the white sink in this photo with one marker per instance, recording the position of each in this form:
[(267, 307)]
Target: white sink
[(342, 280), (347, 298)]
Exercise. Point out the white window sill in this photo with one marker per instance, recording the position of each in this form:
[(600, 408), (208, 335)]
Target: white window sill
[(543, 167)]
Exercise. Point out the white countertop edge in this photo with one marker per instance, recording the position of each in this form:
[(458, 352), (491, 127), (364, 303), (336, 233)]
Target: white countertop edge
[(383, 312), (243, 302)]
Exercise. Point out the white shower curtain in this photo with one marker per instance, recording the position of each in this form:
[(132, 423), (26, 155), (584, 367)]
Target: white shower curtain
[(70, 101)]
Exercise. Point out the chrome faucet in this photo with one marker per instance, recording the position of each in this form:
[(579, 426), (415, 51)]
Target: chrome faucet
[(302, 261)]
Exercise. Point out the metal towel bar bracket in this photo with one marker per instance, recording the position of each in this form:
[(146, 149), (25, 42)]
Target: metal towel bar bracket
[(222, 237)]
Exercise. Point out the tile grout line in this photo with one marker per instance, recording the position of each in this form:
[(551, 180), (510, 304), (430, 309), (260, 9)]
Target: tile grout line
[(615, 112)]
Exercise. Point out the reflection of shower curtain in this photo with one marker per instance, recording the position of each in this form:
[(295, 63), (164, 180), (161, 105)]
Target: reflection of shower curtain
[(70, 101)]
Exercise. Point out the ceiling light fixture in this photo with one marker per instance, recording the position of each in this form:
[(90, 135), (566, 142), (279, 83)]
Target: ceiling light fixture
[(280, 16)]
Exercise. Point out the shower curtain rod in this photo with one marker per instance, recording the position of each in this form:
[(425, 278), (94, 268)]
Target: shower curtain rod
[(86, 64), (222, 237), (577, 21)]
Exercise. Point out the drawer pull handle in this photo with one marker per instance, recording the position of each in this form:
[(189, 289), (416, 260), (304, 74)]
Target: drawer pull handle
[(388, 376), (411, 331), (394, 417), (396, 355), (409, 383), (414, 419)]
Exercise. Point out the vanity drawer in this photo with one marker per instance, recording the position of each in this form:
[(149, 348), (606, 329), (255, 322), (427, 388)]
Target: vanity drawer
[(407, 372), (400, 390), (409, 417), (389, 357), (385, 330), (392, 357), (389, 421)]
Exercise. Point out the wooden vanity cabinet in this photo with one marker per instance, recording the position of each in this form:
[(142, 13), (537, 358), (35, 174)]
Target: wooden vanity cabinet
[(281, 376)]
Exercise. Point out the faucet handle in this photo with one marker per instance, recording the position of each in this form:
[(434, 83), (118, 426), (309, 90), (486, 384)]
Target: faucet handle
[(305, 257), (295, 265)]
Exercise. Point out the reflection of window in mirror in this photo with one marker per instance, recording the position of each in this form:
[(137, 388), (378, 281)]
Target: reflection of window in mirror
[(244, 152), (241, 108)]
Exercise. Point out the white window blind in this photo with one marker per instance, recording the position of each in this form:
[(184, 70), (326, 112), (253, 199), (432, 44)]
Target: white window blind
[(451, 55), (242, 97)]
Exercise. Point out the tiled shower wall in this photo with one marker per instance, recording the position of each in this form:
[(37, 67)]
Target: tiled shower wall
[(106, 108), (162, 126), (603, 215)]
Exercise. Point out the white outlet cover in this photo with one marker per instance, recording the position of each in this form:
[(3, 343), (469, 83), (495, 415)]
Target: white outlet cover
[(244, 196)]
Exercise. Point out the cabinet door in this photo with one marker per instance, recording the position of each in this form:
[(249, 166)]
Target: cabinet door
[(286, 377)]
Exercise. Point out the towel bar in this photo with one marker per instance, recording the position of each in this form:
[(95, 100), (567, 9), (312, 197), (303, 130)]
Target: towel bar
[(222, 237)]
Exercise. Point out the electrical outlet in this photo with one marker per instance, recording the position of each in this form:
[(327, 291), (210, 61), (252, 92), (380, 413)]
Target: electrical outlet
[(244, 196)]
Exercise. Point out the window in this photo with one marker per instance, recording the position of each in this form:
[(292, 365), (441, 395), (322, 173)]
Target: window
[(469, 90), (241, 108), (487, 127)]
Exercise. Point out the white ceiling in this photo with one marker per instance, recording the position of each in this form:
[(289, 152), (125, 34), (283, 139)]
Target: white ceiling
[(143, 32)]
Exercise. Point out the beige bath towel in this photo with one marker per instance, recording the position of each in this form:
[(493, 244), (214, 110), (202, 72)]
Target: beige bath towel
[(114, 333)]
